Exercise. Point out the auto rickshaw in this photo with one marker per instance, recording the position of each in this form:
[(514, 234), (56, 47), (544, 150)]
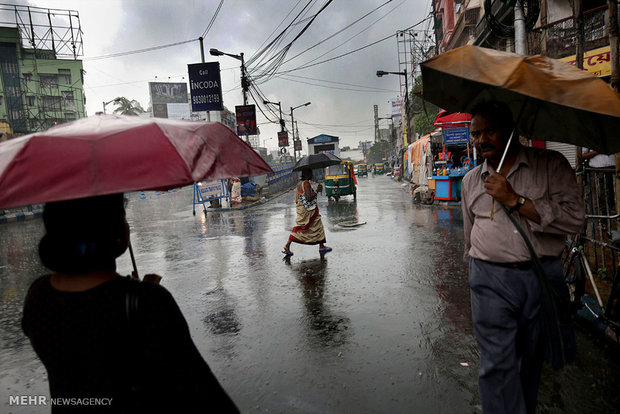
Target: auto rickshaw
[(362, 170), (340, 181), (379, 169)]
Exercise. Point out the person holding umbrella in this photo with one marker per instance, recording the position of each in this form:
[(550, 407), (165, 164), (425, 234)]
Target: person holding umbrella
[(537, 188), (122, 343), (108, 337), (308, 227)]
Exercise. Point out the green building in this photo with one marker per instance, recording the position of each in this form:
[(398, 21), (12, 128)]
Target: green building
[(37, 88)]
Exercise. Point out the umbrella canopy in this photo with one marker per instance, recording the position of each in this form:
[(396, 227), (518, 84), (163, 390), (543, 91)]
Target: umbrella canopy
[(451, 120), (557, 101), (316, 161), (106, 154)]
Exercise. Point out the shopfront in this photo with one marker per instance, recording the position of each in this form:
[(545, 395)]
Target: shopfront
[(454, 158)]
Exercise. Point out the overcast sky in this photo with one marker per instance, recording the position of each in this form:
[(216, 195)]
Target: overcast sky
[(344, 109)]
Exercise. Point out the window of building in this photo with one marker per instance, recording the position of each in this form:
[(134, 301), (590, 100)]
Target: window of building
[(51, 103), (28, 77), (16, 114), (30, 100), (64, 76), (12, 91), (9, 67), (70, 116), (67, 96), (49, 80), (1, 100)]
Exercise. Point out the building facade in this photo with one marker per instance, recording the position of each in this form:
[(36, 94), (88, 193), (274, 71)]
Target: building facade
[(37, 89)]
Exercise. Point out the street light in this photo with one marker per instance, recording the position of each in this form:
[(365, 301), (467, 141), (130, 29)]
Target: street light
[(115, 100), (265, 140), (280, 107), (244, 81), (403, 73), (293, 127)]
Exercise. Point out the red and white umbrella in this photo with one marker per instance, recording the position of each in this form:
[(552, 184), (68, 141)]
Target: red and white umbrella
[(106, 154)]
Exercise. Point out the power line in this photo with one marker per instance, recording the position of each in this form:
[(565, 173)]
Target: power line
[(204, 34), (373, 90), (348, 53), (280, 55), (337, 33), (133, 52), (358, 33)]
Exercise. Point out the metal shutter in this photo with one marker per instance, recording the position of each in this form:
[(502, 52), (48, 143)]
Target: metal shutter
[(568, 150)]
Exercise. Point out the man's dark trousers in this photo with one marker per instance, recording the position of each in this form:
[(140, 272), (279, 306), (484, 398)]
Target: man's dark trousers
[(505, 305)]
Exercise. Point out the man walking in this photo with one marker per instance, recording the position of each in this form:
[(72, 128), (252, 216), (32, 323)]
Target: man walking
[(539, 189)]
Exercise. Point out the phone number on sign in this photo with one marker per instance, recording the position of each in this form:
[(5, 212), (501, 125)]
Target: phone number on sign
[(201, 99)]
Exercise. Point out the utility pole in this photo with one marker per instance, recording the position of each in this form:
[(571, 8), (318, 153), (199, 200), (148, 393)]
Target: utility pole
[(520, 33), (376, 108)]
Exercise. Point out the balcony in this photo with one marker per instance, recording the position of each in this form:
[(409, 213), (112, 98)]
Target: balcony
[(558, 39)]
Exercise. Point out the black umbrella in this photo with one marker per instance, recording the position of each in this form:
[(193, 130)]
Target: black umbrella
[(316, 161)]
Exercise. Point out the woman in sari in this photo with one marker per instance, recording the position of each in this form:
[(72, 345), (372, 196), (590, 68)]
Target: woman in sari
[(308, 227)]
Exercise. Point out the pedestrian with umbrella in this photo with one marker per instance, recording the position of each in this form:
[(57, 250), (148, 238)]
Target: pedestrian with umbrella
[(308, 225), (520, 203), (101, 336), (537, 189)]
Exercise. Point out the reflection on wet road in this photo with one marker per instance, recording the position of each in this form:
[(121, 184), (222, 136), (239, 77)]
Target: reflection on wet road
[(380, 325)]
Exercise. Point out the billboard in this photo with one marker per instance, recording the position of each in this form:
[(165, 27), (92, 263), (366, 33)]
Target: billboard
[(166, 92), (246, 120), (282, 139), (205, 86), (396, 107)]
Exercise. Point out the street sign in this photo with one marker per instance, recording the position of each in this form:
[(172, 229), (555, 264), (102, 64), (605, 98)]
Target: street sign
[(205, 86), (283, 139), (454, 136)]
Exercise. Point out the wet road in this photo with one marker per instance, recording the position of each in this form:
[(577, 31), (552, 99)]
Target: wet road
[(379, 325)]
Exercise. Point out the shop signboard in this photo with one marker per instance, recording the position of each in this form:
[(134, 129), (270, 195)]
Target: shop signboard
[(205, 86), (211, 189), (597, 61), (246, 119), (455, 136), (283, 139), (297, 145)]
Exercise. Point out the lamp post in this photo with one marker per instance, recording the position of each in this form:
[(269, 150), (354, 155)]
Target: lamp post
[(403, 73), (280, 107), (244, 79), (293, 128), (109, 102)]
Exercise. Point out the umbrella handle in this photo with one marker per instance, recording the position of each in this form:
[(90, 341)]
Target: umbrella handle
[(134, 274), (501, 162)]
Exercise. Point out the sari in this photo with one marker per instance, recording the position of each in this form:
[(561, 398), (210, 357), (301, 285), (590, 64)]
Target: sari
[(308, 226)]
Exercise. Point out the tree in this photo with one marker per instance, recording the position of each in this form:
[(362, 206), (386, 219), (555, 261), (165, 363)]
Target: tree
[(423, 123), (423, 112), (127, 107), (379, 151)]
